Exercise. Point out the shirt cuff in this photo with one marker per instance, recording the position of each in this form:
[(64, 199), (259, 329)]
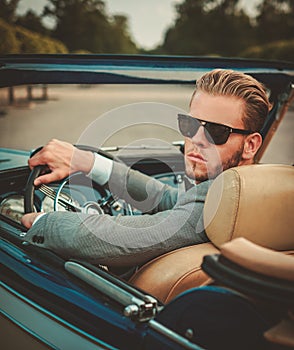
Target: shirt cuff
[(37, 218), (101, 169)]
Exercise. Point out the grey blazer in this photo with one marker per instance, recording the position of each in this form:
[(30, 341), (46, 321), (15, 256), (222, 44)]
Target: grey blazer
[(172, 219)]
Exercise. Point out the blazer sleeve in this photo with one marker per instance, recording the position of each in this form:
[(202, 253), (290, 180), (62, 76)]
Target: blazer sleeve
[(141, 191), (123, 240)]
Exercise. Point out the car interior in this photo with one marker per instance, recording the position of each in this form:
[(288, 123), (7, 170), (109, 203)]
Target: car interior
[(243, 278)]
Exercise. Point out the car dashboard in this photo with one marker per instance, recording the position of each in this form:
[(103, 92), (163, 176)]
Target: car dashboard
[(79, 193)]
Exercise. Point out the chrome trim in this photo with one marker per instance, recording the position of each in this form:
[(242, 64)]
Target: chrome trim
[(141, 309), (158, 327)]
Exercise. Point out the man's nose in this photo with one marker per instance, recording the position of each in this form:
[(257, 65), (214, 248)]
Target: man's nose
[(199, 138)]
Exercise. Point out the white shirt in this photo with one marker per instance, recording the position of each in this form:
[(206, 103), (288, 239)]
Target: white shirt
[(101, 169)]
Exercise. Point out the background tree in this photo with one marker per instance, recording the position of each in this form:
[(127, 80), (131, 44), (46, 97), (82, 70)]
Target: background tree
[(33, 22), (8, 43), (205, 27), (202, 27), (275, 21), (221, 27), (184, 36), (121, 41), (8, 10), (77, 21), (16, 39), (229, 29), (84, 25)]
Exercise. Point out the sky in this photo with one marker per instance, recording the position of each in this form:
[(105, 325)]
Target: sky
[(148, 19)]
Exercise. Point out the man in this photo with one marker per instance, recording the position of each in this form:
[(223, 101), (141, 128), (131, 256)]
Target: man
[(227, 111)]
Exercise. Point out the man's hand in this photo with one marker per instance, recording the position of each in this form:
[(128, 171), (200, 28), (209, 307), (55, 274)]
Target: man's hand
[(28, 219), (63, 159)]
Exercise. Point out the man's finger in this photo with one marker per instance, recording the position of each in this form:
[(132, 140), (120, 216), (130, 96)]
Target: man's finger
[(37, 159), (47, 178)]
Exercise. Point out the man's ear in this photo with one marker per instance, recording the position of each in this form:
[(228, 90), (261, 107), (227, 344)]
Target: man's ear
[(251, 146)]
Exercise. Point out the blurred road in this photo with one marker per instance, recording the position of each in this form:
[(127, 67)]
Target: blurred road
[(71, 110)]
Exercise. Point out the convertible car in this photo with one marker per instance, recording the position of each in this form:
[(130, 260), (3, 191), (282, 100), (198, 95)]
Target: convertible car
[(235, 292)]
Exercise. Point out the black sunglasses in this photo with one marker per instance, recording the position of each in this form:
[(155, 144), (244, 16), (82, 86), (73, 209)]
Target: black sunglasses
[(214, 132)]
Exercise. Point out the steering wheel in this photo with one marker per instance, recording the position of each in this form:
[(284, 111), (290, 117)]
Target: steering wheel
[(105, 203), (30, 189)]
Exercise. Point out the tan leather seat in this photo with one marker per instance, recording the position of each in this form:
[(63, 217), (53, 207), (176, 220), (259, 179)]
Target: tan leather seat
[(258, 259), (255, 202)]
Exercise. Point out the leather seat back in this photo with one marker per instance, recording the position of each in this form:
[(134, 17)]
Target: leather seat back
[(255, 202)]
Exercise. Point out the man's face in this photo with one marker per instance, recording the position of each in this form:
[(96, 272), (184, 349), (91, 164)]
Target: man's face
[(204, 160)]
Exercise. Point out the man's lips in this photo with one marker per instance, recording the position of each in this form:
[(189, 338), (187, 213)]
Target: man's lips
[(196, 157)]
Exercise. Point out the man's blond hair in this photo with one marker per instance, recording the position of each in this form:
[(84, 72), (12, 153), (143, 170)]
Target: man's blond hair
[(225, 82)]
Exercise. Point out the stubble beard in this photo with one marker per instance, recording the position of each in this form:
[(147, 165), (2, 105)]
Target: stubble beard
[(200, 175)]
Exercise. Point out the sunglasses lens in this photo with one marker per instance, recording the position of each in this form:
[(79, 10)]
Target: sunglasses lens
[(188, 126), (216, 133)]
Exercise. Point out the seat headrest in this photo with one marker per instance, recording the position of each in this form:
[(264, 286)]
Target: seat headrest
[(255, 202)]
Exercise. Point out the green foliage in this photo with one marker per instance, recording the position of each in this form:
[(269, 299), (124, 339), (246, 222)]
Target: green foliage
[(202, 27), (30, 20), (275, 21), (8, 42), (8, 10), (209, 27), (31, 42), (220, 27), (16, 39), (81, 25), (120, 39), (84, 25), (278, 50)]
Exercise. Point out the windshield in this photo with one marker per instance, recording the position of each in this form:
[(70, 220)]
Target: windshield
[(108, 115), (39, 113)]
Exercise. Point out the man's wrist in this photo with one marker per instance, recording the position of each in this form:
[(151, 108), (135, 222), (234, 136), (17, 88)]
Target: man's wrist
[(82, 161)]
